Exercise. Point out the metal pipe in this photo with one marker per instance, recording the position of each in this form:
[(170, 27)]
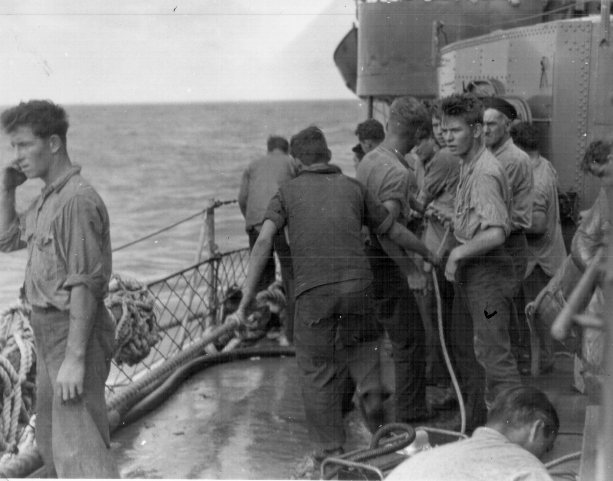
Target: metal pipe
[(605, 22), (584, 288), (604, 450)]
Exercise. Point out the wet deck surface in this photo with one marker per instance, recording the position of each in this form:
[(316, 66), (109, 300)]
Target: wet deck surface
[(241, 420), (244, 420)]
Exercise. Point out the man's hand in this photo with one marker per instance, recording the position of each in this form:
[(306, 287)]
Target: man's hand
[(241, 314), (418, 282), (452, 266), (443, 216), (13, 177), (69, 383), (433, 259)]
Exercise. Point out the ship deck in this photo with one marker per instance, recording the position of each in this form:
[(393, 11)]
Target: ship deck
[(244, 420)]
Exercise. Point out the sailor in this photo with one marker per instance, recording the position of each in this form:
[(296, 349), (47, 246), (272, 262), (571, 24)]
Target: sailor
[(479, 265), (545, 242), (521, 427), (336, 334), (358, 154), (260, 181), (385, 172), (588, 239), (497, 120), (370, 134), (66, 231), (436, 197)]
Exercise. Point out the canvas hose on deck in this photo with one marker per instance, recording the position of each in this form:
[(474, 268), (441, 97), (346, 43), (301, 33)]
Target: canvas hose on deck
[(395, 436), (441, 333)]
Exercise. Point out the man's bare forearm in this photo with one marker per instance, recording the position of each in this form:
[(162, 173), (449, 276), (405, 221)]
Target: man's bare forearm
[(83, 306), (409, 241)]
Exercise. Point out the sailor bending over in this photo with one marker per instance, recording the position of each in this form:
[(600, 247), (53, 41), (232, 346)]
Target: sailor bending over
[(336, 333)]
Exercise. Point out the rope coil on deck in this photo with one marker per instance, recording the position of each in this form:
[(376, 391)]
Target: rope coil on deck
[(132, 306), (17, 359)]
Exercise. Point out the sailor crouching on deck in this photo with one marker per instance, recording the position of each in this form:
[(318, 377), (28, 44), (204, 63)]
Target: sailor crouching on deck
[(480, 267), (66, 231), (336, 333), (521, 426)]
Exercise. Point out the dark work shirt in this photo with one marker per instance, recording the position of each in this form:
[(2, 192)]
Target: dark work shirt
[(324, 212)]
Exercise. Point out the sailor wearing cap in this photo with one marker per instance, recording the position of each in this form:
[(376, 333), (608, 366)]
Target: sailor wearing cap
[(498, 118)]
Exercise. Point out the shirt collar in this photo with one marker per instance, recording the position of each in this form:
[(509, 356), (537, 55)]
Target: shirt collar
[(397, 154), (504, 146), (322, 169), (470, 165), (61, 182)]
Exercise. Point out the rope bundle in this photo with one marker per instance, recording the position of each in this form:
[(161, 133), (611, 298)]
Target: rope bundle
[(273, 297), (17, 359), (132, 306)]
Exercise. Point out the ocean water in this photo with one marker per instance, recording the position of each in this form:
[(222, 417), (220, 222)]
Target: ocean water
[(156, 164)]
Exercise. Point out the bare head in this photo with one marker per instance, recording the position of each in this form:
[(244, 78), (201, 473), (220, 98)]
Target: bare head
[(43, 117), (425, 143), (370, 134), (462, 124), (436, 115), (309, 146), (526, 137), (407, 116), (526, 417), (598, 160), (277, 143), (37, 130)]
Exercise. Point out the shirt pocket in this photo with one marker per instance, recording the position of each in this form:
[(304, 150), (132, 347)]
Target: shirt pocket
[(44, 259)]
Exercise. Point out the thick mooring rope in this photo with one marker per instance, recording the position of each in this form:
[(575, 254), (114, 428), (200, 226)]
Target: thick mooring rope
[(16, 362), (132, 306)]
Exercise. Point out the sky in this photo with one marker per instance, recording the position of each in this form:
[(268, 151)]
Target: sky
[(138, 51)]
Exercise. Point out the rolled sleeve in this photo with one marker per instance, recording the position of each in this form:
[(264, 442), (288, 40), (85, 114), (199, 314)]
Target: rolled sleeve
[(489, 205), (10, 240), (385, 181), (276, 212), (82, 228), (441, 173), (377, 218)]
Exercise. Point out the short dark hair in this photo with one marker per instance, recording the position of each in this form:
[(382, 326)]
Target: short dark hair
[(407, 114), (435, 110), (523, 405), (277, 142), (309, 145), (370, 129), (466, 106), (596, 153), (525, 136), (43, 116)]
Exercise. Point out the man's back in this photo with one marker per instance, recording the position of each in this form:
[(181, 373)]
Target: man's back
[(487, 455), (517, 166), (260, 183), (324, 211)]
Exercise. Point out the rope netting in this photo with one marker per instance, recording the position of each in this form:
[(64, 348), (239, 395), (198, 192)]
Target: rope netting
[(187, 304)]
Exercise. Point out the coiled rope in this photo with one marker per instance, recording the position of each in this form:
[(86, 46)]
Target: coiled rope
[(132, 306), (17, 358)]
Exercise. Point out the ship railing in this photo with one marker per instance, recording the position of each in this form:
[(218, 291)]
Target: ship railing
[(189, 303)]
